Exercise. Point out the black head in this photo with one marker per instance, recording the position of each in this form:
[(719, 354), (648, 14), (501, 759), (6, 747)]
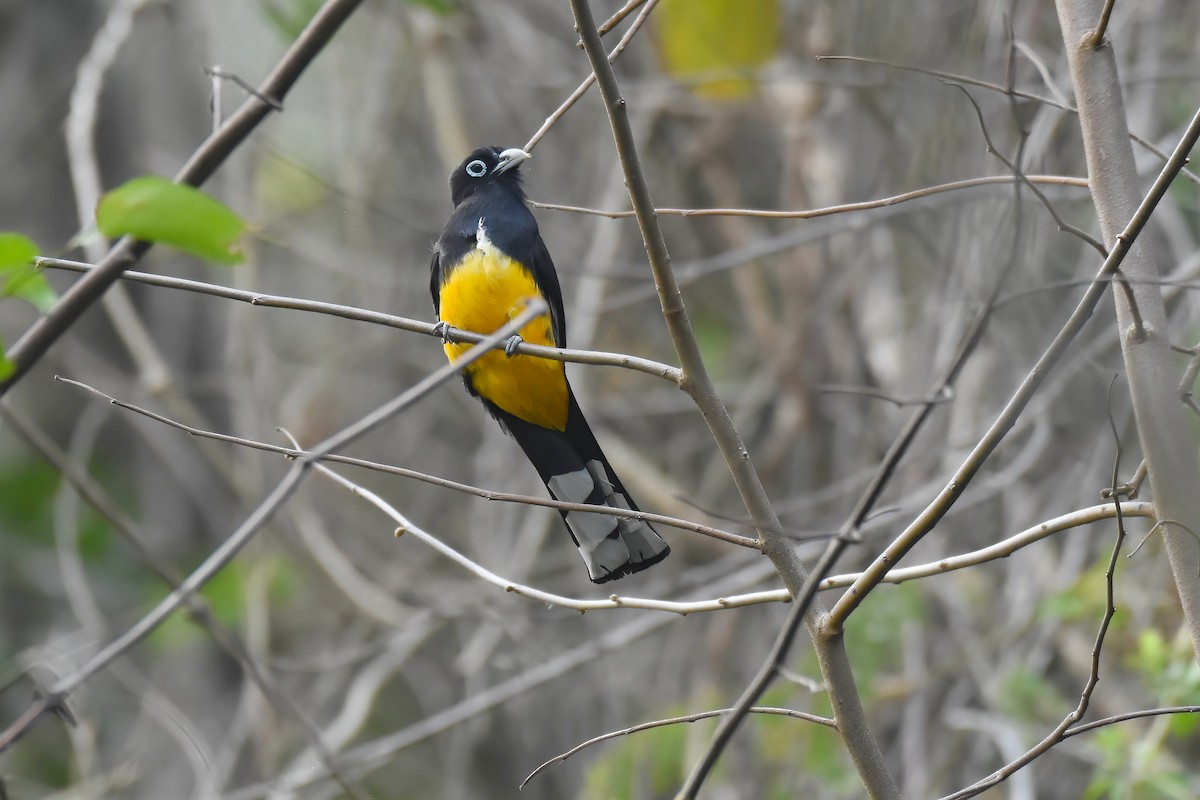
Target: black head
[(486, 166)]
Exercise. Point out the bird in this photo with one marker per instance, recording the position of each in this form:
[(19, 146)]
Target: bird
[(489, 261)]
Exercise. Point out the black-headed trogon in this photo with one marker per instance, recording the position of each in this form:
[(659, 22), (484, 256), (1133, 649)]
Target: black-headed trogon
[(489, 261)]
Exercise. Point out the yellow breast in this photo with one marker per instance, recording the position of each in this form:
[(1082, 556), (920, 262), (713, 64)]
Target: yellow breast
[(481, 294)]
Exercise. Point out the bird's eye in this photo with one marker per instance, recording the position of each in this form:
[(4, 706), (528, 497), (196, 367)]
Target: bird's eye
[(477, 169)]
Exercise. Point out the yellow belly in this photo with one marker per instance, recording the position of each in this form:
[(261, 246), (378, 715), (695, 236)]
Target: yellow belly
[(482, 294)]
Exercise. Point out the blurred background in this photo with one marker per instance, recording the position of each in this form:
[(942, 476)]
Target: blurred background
[(430, 683)]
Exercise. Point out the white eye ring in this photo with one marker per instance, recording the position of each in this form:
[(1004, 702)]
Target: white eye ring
[(477, 169)]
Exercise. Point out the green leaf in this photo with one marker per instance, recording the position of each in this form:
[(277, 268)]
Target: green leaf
[(154, 209), (19, 276), (6, 367)]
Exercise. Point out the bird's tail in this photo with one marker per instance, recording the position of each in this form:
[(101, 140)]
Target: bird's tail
[(575, 470)]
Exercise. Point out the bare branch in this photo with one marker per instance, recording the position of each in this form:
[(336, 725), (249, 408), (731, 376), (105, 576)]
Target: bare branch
[(867, 205), (1096, 38), (664, 371), (590, 79), (506, 497), (661, 723), (995, 87)]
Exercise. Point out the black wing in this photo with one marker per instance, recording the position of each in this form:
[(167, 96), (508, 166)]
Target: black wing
[(546, 278), (435, 283)]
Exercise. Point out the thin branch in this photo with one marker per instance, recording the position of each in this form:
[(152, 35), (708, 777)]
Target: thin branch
[(999, 550), (225, 553), (581, 90), (507, 497), (1096, 38), (1149, 712), (883, 202), (661, 723), (1187, 383), (30, 348), (1062, 224), (217, 73), (1029, 386), (664, 371), (616, 18), (900, 402), (995, 87), (407, 527)]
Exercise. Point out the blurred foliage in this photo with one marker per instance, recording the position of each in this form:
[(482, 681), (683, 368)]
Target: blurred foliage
[(284, 187), (715, 46), (289, 17), (876, 634), (27, 487), (652, 759), (157, 210), (226, 597)]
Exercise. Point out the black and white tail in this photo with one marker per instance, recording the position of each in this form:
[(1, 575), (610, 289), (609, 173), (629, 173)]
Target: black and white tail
[(575, 470)]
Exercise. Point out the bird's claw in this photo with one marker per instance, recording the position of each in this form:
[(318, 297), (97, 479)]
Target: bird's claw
[(441, 329), (514, 341)]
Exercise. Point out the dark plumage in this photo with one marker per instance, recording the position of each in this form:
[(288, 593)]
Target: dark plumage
[(488, 261)]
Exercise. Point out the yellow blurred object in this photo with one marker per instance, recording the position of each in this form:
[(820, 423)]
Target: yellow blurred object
[(716, 46)]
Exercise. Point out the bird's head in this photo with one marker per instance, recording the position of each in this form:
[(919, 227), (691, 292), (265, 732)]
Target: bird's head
[(486, 166)]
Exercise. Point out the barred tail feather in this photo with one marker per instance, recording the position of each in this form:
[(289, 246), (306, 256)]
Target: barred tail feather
[(575, 470)]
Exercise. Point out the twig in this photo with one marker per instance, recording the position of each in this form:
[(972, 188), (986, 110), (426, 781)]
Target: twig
[(1149, 712), (29, 349), (995, 87), (407, 527), (1096, 37), (661, 723), (257, 518), (507, 497), (1130, 488), (218, 74), (590, 79), (883, 202), (1188, 382), (1062, 224), (616, 18), (664, 371), (900, 402)]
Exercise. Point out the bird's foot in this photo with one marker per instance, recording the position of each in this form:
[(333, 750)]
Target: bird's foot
[(514, 341), (441, 329)]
